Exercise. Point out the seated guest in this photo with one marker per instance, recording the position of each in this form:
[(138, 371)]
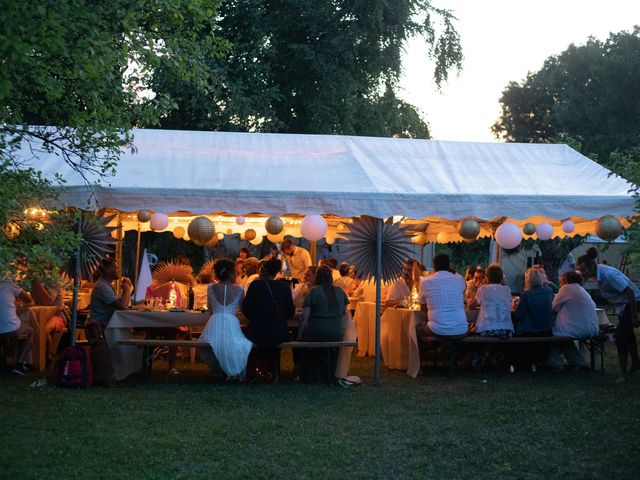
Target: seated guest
[(244, 253), (473, 285), (302, 289), (534, 316), (104, 300), (251, 271), (56, 324), (401, 287), (332, 263), (241, 278), (268, 306), (322, 321), (200, 290), (468, 275), (576, 318), (494, 318), (10, 323), (443, 298), (547, 283), (345, 282)]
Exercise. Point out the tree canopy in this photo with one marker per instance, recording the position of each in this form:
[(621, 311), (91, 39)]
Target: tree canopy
[(590, 93), (313, 66)]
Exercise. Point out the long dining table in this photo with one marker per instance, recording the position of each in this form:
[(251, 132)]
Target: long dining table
[(37, 316)]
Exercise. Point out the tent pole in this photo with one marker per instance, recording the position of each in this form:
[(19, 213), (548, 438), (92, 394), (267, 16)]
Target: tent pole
[(313, 251), (76, 285), (378, 293), (135, 282), (119, 252)]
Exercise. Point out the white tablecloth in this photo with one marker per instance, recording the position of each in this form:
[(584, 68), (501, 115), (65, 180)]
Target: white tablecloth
[(398, 337), (365, 320), (603, 319), (128, 359)]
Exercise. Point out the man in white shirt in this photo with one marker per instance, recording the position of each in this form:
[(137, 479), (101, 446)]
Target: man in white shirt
[(11, 324), (401, 287), (443, 298), (297, 258)]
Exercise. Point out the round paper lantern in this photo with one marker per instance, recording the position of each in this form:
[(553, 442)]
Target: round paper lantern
[(159, 221), (419, 239), (201, 230), (229, 231), (178, 232), (249, 234), (212, 243), (313, 227), (279, 238), (186, 237), (544, 231), (274, 225), (529, 228), (508, 235), (568, 226), (442, 238), (608, 228), (220, 235), (469, 229), (256, 241), (144, 216), (240, 220), (329, 239)]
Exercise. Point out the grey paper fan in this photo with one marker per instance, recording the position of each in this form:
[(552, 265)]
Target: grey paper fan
[(169, 271), (97, 243), (361, 247)]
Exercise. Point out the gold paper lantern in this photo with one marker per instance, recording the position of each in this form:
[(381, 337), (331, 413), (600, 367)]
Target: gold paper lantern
[(274, 225), (276, 238), (201, 230), (469, 229), (144, 216), (178, 232), (229, 231), (608, 228), (256, 241), (249, 234), (419, 239), (529, 229)]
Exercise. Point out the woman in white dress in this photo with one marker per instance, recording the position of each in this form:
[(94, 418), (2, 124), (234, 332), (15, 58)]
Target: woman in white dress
[(230, 347)]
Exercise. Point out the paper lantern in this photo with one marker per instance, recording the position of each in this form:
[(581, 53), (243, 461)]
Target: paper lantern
[(256, 241), (329, 239), (242, 236), (279, 238), (159, 221), (178, 232), (201, 230), (469, 229), (544, 231), (229, 231), (568, 226), (144, 216), (249, 234), (529, 228), (212, 243), (442, 238), (274, 225), (608, 228), (508, 235), (240, 220), (419, 239), (313, 227), (220, 235), (186, 237)]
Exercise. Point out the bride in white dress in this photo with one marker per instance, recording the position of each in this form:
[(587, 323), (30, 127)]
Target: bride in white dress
[(230, 347)]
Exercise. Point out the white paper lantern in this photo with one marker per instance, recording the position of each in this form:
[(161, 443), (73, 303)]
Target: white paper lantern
[(568, 226), (240, 220), (220, 235), (256, 241), (201, 230), (608, 228), (508, 235), (274, 225), (529, 228), (144, 216), (276, 238), (178, 232), (544, 231), (159, 221), (313, 227)]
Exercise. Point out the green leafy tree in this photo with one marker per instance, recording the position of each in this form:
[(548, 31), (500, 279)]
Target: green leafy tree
[(590, 93), (313, 66)]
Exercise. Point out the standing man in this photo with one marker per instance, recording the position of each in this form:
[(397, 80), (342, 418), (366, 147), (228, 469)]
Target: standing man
[(623, 295), (104, 300), (297, 258), (443, 298)]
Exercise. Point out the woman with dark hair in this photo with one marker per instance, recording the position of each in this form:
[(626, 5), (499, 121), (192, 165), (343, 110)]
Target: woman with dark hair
[(322, 321), (268, 306), (229, 345)]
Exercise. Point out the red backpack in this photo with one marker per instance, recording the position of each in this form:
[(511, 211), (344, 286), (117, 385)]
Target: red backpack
[(73, 368)]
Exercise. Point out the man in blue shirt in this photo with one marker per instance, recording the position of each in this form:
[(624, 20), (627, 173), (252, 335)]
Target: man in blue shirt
[(618, 290)]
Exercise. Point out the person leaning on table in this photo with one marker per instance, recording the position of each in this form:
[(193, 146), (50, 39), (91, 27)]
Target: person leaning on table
[(10, 323), (621, 292), (442, 296), (297, 258), (104, 300)]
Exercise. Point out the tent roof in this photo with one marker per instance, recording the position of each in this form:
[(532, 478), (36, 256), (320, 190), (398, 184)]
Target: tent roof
[(278, 174)]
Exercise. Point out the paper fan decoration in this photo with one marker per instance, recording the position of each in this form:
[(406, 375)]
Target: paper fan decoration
[(208, 267), (97, 243), (361, 247), (170, 271)]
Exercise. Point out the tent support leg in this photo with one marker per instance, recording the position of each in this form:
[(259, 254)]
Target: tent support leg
[(135, 283), (380, 226)]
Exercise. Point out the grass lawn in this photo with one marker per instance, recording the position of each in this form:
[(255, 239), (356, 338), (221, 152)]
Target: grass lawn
[(492, 425)]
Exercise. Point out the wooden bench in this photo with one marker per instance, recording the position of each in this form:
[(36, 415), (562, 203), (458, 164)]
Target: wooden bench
[(148, 345), (7, 340), (595, 345)]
